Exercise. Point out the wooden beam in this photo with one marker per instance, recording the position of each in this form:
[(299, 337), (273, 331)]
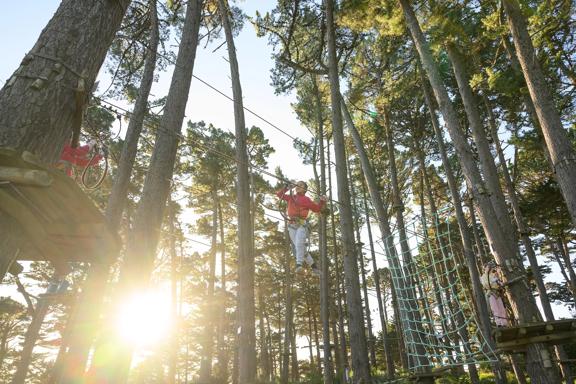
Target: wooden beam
[(553, 338), (23, 176)]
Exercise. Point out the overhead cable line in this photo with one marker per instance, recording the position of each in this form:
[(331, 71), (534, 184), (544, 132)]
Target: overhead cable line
[(154, 124)]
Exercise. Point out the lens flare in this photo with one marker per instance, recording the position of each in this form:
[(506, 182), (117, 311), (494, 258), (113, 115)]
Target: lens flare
[(144, 319)]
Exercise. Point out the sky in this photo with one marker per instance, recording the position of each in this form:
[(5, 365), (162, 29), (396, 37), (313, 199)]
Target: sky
[(19, 31), (21, 23)]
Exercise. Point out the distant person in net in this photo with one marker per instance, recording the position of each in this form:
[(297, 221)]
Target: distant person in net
[(299, 206), (494, 288)]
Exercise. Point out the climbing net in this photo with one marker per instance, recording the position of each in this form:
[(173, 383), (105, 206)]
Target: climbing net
[(437, 317)]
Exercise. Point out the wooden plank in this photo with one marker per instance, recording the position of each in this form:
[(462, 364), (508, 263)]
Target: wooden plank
[(11, 158), (534, 329), (8, 152), (65, 194), (553, 339), (73, 229), (29, 222), (23, 176), (31, 159), (61, 221), (41, 200)]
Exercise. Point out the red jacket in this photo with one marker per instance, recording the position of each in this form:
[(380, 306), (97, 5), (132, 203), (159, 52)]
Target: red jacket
[(79, 155), (299, 205)]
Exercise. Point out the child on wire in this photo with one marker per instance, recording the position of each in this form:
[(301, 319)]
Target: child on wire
[(299, 206)]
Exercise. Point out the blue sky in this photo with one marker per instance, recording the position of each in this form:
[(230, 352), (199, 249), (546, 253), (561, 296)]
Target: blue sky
[(21, 23)]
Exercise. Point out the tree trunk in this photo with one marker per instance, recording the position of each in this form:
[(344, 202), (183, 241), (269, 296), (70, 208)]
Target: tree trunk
[(376, 276), (358, 346), (567, 262), (289, 310), (528, 104), (398, 284), (325, 298), (310, 335), (246, 306), (30, 339), (519, 218), (459, 320), (223, 355), (174, 332), (271, 353), (565, 265), (264, 358), (317, 341), (360, 255), (343, 351), (562, 153), (370, 335), (487, 164), (42, 102), (143, 240), (471, 262), (295, 374), (418, 351), (38, 104), (525, 237), (521, 298), (205, 372), (117, 198)]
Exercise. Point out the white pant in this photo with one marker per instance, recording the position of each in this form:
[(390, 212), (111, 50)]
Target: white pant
[(299, 237)]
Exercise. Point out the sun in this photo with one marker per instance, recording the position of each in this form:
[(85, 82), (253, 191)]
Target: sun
[(144, 319)]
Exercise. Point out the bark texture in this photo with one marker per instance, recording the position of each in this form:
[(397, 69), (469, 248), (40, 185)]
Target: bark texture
[(89, 306), (562, 154), (471, 262), (377, 201), (376, 276), (523, 303), (117, 198), (43, 100), (143, 240), (525, 237), (325, 299), (358, 346), (38, 104), (246, 305), (487, 164), (205, 372), (342, 350)]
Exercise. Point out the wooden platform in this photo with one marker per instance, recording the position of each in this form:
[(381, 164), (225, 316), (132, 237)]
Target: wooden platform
[(61, 223), (551, 332)]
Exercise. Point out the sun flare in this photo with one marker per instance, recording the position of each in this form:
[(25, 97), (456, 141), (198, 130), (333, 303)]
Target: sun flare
[(144, 319)]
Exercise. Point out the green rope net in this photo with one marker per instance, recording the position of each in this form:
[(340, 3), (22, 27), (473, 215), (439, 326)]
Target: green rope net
[(438, 319)]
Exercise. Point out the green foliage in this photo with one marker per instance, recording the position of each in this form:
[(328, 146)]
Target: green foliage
[(381, 78), (127, 54), (13, 322), (366, 15)]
